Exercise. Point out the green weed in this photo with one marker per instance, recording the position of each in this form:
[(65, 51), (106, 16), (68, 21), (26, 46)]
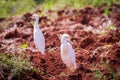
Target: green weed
[(42, 73), (13, 7), (111, 27), (16, 63), (112, 74), (98, 74), (104, 31), (25, 45)]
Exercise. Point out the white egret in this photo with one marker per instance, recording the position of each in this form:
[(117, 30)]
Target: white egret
[(39, 39), (67, 53)]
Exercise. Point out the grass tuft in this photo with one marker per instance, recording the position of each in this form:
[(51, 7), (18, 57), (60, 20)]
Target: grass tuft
[(13, 7), (16, 63)]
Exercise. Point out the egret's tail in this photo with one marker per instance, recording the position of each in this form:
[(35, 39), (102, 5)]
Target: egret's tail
[(73, 67), (42, 51)]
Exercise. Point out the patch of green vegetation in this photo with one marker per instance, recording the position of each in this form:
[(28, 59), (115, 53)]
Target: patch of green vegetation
[(42, 73), (111, 27), (25, 45), (98, 74), (104, 31), (13, 7), (34, 69), (16, 63), (112, 74), (73, 3), (48, 4)]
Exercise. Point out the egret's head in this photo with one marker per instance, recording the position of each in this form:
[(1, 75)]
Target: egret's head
[(65, 38), (35, 16)]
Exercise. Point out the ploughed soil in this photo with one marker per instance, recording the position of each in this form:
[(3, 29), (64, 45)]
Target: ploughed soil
[(96, 44)]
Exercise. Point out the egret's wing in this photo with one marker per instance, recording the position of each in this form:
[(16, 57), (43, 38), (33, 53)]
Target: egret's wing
[(72, 56), (39, 41), (65, 55), (71, 52), (63, 51)]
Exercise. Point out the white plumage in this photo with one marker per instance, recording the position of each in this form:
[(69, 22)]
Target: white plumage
[(39, 39), (67, 53)]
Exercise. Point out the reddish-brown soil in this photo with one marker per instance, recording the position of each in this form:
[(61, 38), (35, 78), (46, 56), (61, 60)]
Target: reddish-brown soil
[(93, 50)]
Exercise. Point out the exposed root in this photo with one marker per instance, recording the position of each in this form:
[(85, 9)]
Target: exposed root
[(95, 51), (106, 53)]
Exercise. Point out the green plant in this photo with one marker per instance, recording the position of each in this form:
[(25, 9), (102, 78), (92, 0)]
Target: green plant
[(98, 74), (34, 69), (111, 27), (42, 73), (25, 45), (16, 63), (48, 4), (112, 74), (104, 31), (12, 7)]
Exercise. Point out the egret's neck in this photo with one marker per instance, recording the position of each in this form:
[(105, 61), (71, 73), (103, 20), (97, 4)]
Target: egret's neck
[(63, 41), (36, 26)]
